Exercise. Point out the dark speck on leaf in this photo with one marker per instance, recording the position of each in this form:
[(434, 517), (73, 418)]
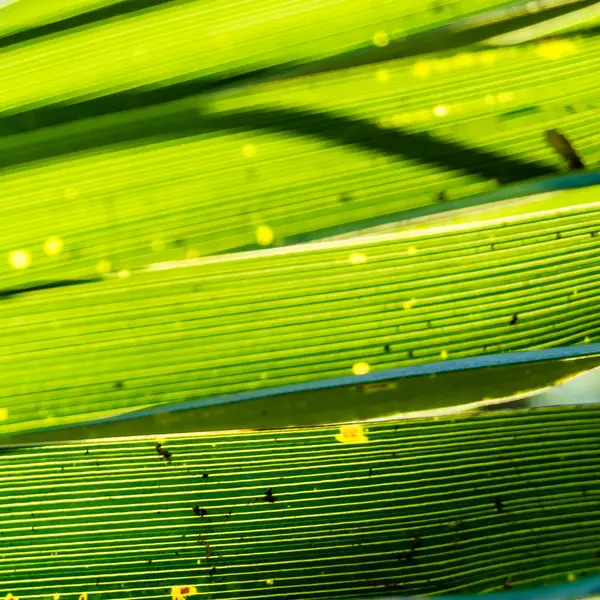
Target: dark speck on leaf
[(558, 236), (594, 234), (87, 451), (387, 348), (208, 550), (442, 197), (164, 453), (499, 505), (118, 385), (344, 197), (370, 471), (178, 243), (410, 354), (204, 475), (408, 556), (514, 319), (199, 512), (506, 583), (596, 554), (149, 561), (269, 496), (213, 571)]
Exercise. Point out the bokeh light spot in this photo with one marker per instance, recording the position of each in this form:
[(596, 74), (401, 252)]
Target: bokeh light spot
[(444, 354), (441, 111), (360, 368), (249, 150), (357, 258), (382, 75), (381, 39), (103, 267), (123, 273), (3, 413), (53, 245), (20, 259), (264, 235), (352, 434)]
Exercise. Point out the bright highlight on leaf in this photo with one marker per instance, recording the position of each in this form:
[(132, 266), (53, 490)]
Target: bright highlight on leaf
[(382, 75), (444, 354), (53, 246), (440, 111), (20, 259), (357, 257), (3, 413), (249, 150), (381, 39), (360, 368), (123, 273), (270, 581), (103, 267), (352, 434), (264, 235)]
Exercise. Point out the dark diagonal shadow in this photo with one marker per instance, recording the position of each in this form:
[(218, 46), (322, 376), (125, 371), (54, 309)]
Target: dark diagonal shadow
[(120, 8), (48, 285), (420, 147)]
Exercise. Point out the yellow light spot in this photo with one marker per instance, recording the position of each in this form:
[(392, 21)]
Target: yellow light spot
[(123, 273), (352, 434), (182, 591), (249, 150), (408, 304), (464, 60), (422, 69), (53, 246), (191, 253), (20, 259), (441, 111), (441, 66), (571, 577), (103, 267), (360, 368), (264, 235), (71, 193), (83, 596), (586, 339), (357, 257), (158, 245), (381, 39), (270, 581), (3, 414), (382, 75), (556, 49), (412, 250), (444, 355), (488, 58), (56, 597)]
